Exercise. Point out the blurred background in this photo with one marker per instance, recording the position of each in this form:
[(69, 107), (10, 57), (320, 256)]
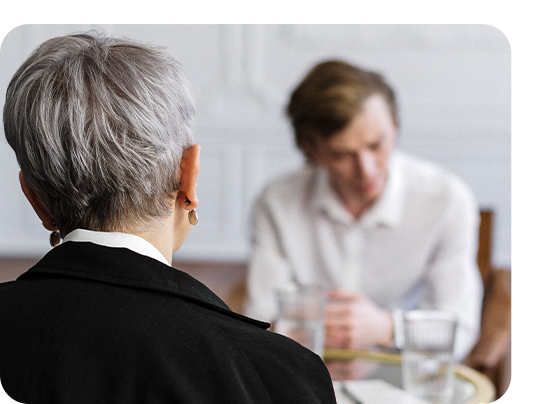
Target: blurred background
[(453, 84), (458, 78)]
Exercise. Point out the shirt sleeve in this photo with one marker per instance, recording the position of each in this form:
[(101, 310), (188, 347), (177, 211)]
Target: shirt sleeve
[(454, 282), (268, 267)]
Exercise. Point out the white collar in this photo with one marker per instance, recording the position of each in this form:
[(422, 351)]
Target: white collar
[(117, 240), (386, 211)]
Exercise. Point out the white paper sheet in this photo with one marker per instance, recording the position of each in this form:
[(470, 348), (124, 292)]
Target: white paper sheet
[(374, 391)]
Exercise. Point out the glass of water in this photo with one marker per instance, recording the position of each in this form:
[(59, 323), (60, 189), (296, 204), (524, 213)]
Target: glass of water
[(428, 355), (301, 314)]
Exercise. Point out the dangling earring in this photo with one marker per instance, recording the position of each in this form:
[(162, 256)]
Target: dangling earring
[(192, 217), (55, 236)]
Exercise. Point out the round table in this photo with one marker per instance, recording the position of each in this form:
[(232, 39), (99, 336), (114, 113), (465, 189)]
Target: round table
[(472, 387)]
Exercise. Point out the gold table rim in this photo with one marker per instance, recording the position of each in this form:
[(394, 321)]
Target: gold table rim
[(484, 388)]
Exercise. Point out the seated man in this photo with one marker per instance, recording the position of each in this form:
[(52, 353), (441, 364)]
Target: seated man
[(386, 232)]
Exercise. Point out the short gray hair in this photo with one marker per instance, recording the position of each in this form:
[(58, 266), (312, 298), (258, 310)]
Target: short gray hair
[(99, 126)]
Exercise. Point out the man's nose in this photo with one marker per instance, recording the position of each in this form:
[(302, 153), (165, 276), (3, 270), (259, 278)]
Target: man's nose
[(365, 165)]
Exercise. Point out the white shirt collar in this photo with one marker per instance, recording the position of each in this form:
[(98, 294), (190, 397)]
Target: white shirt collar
[(117, 240), (386, 211)]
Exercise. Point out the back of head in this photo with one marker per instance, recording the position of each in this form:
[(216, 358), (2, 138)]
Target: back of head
[(329, 97), (99, 126)]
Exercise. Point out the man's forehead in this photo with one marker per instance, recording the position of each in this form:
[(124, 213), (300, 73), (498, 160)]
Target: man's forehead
[(373, 124), (354, 139)]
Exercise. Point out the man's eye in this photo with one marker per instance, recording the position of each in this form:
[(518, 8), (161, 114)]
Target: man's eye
[(375, 146)]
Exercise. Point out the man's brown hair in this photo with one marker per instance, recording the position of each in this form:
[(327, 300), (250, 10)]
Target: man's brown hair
[(329, 97)]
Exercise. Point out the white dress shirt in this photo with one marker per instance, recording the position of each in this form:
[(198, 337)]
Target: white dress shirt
[(414, 248), (117, 240)]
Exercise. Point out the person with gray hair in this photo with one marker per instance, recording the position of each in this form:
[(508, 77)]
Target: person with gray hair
[(102, 129)]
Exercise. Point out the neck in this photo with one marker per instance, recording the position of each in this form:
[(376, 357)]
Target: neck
[(168, 233), (160, 236), (354, 203), (356, 206)]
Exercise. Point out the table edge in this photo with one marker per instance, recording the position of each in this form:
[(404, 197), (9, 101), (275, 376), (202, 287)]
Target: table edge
[(484, 388)]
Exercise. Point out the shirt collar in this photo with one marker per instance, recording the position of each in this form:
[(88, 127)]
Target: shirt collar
[(118, 240), (325, 198), (386, 211)]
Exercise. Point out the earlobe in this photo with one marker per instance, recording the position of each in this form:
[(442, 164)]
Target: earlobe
[(37, 204), (310, 151)]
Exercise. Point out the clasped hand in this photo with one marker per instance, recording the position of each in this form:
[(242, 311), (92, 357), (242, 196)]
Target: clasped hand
[(353, 321)]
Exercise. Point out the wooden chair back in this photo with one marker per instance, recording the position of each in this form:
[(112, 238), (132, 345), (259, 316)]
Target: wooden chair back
[(492, 353), (485, 237)]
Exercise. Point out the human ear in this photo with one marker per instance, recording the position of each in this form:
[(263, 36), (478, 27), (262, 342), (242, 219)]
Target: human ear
[(37, 204), (310, 153), (189, 168)]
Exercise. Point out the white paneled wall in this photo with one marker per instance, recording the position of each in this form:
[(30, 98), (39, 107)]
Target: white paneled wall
[(452, 82)]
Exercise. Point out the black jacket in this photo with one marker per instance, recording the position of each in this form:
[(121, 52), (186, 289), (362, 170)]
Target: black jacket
[(93, 324)]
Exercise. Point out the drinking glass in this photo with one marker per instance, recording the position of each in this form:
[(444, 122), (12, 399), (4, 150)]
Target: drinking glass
[(427, 356), (301, 314)]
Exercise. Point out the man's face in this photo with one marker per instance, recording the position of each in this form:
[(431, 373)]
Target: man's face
[(357, 157)]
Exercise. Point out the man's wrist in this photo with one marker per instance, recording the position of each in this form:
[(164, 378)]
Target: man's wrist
[(397, 316), (388, 337)]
